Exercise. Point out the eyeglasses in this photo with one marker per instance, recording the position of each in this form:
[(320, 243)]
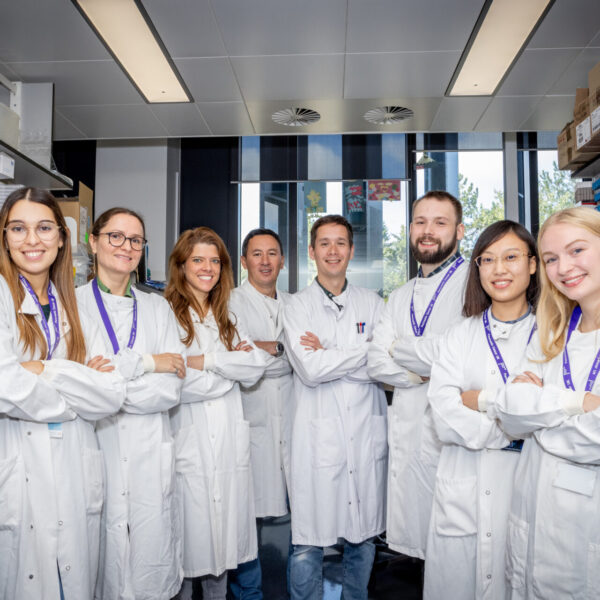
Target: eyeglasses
[(510, 258), (117, 239), (47, 231)]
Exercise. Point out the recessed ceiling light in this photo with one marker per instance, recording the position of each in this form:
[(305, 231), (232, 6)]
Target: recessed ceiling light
[(502, 30), (388, 115), (126, 30), (295, 117)]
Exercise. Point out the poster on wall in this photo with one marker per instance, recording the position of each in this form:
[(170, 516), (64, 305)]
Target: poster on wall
[(381, 190), (315, 197), (355, 202)]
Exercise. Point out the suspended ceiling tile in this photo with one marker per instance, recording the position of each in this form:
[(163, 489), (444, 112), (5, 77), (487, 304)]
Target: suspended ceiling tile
[(180, 120), (536, 71), (51, 30), (551, 114), (209, 79), (63, 129), (297, 76), (81, 82), (403, 25), (409, 74), (459, 114), (577, 73), (282, 26), (569, 24), (115, 121), (226, 118), (507, 114), (187, 27)]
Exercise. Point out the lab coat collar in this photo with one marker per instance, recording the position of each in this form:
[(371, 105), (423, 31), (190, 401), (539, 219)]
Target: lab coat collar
[(247, 286), (501, 329), (332, 302), (29, 307)]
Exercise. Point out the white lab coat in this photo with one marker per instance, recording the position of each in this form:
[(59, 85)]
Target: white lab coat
[(213, 454), (473, 490), (554, 527), (51, 488), (269, 404), (142, 521), (339, 446), (414, 446)]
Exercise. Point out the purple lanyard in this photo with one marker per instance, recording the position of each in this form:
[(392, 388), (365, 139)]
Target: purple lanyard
[(419, 328), (108, 325), (575, 316), (494, 347), (53, 313)]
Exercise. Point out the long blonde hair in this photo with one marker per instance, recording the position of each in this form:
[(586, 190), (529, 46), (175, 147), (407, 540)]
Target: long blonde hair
[(554, 308), (61, 274), (181, 298)]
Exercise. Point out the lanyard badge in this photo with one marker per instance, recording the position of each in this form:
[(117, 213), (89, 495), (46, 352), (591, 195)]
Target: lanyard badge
[(419, 328), (53, 313), (106, 320)]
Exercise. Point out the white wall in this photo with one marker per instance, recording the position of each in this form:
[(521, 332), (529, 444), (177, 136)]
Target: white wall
[(134, 174)]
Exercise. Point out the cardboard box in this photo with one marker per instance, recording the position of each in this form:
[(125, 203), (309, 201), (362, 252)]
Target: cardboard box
[(569, 157), (79, 214), (594, 78), (581, 110)]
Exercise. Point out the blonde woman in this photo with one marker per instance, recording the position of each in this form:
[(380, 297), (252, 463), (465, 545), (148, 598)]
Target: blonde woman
[(554, 526), (212, 437), (51, 470)]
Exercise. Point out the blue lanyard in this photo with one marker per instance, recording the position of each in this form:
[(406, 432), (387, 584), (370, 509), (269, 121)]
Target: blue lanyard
[(53, 313), (106, 320), (419, 328), (568, 380)]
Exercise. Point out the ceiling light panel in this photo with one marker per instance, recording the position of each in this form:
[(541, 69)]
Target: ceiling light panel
[(127, 32), (503, 29)]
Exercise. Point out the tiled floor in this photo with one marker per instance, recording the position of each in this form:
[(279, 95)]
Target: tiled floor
[(394, 576)]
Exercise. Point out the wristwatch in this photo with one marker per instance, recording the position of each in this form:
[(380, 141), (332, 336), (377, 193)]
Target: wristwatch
[(279, 349)]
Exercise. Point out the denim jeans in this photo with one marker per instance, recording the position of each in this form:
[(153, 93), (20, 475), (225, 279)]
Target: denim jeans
[(306, 571), (245, 582)]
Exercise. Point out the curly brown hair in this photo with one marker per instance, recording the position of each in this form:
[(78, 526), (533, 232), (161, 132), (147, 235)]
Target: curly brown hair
[(180, 296)]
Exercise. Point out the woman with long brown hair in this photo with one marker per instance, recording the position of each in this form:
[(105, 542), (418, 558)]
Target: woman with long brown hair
[(211, 435), (473, 487), (142, 554), (51, 470)]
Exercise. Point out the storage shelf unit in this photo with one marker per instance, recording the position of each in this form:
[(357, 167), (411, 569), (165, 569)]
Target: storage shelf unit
[(589, 170), (31, 174)]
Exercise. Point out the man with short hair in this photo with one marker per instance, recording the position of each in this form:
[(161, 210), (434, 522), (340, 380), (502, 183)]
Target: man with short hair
[(268, 404), (401, 353), (339, 448)]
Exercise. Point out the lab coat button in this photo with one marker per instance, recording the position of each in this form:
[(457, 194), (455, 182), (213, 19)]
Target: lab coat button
[(489, 534), (493, 371), (31, 577), (350, 472), (124, 459), (60, 523), (68, 568), (31, 526), (489, 576), (487, 492), (29, 433)]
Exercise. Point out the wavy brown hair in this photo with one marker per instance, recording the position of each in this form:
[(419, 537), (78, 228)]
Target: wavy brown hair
[(181, 297), (60, 273), (554, 308)]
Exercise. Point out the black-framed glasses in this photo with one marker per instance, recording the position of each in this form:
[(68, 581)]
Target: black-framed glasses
[(117, 239), (47, 231), (487, 260)]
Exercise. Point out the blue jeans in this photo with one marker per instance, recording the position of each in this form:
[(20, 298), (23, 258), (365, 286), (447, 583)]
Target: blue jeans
[(245, 582), (306, 571)]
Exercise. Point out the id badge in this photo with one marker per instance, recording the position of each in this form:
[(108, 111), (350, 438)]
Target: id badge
[(55, 430), (575, 479)]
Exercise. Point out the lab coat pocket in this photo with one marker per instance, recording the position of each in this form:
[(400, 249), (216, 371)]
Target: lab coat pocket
[(517, 540), (379, 437), (327, 446), (167, 468), (242, 444), (593, 572), (10, 519), (93, 480), (455, 506), (188, 458)]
